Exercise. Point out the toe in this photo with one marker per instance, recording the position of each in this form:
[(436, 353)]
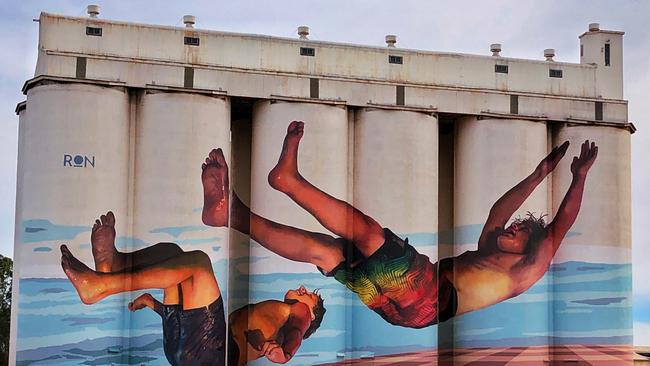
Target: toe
[(65, 263), (291, 126), (213, 155), (111, 218), (220, 158)]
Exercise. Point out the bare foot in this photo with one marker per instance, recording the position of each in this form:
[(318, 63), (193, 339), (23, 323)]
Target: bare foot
[(85, 280), (215, 189), (142, 301), (285, 173), (103, 242)]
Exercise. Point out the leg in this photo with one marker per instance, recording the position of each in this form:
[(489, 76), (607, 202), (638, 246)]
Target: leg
[(192, 270), (337, 216), (108, 259), (298, 245)]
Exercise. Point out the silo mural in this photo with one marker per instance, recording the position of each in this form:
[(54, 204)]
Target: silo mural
[(255, 222)]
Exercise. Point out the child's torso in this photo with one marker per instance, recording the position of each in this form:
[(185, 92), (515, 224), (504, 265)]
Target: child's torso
[(258, 323), (483, 280)]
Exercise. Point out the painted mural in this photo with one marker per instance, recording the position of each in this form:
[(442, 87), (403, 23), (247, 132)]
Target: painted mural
[(358, 289)]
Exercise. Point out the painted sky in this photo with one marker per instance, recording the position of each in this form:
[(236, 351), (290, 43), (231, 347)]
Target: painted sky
[(524, 27)]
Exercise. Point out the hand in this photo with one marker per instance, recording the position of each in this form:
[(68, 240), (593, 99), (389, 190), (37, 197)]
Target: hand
[(141, 301), (580, 165), (551, 160), (273, 352)]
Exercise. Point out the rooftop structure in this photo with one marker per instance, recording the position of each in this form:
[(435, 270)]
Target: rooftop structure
[(259, 66)]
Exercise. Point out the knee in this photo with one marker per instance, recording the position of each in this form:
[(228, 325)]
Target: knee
[(171, 248), (373, 232), (330, 256), (199, 259)]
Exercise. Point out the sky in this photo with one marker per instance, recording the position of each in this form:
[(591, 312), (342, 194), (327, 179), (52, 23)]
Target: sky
[(524, 28)]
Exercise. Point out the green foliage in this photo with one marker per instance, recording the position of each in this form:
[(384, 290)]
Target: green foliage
[(6, 274)]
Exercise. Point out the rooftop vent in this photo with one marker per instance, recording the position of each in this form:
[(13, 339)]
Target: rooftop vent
[(594, 27), (303, 32), (92, 10), (549, 53), (391, 40), (189, 20), (495, 48)]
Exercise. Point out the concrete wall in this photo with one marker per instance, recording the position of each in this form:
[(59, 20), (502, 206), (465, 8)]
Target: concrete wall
[(264, 53), (358, 75)]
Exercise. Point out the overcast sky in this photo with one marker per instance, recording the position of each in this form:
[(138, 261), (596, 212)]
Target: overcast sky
[(524, 27)]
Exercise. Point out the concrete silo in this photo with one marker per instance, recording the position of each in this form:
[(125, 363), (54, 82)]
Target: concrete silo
[(323, 161), (601, 230), (396, 183), (80, 168), (174, 133), (120, 116), (491, 157), (73, 167)]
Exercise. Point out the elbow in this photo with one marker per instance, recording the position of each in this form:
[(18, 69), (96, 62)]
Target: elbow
[(287, 358)]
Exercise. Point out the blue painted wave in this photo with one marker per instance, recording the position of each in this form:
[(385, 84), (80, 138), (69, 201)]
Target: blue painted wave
[(584, 302), (37, 230)]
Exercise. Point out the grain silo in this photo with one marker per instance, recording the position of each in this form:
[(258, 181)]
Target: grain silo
[(121, 116)]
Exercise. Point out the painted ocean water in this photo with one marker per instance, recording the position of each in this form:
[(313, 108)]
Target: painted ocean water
[(587, 303)]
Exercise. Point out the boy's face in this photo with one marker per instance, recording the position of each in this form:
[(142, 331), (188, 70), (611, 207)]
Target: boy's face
[(514, 238), (301, 294)]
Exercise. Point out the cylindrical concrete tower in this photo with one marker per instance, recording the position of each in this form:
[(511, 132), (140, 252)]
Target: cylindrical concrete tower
[(601, 233), (65, 176), (322, 160), (396, 183), (15, 284), (173, 135), (491, 157), (73, 167)]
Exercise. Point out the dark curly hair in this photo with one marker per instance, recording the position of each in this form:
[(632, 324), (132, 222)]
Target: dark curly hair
[(537, 225), (319, 313)]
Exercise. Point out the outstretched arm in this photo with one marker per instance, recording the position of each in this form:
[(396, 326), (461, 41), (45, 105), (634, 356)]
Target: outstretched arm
[(570, 206), (505, 206)]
